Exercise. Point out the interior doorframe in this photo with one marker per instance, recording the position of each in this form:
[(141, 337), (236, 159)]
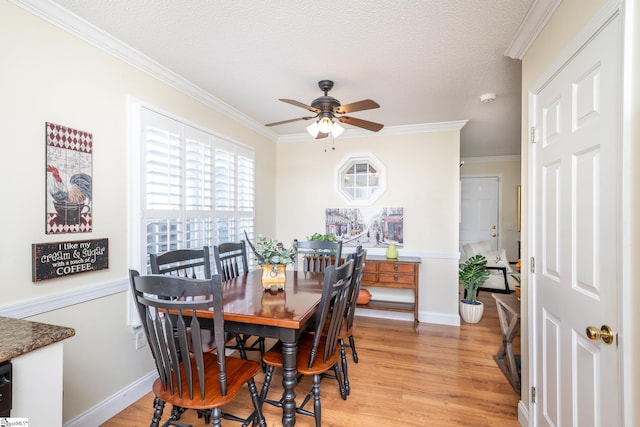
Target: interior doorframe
[(610, 10), (500, 183)]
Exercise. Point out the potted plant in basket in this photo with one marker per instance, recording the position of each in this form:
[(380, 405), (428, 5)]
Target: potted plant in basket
[(472, 274), (273, 257)]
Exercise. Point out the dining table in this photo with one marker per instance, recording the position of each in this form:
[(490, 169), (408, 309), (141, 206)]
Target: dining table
[(283, 314)]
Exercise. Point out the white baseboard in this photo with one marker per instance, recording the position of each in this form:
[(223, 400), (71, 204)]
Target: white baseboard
[(440, 318), (523, 414), (114, 404), (425, 317)]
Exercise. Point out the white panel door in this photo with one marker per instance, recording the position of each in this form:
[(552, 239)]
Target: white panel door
[(576, 237), (479, 210)]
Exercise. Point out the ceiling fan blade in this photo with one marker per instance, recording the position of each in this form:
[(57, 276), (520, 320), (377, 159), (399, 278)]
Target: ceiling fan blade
[(365, 104), (322, 135), (290, 120), (365, 124), (300, 104)]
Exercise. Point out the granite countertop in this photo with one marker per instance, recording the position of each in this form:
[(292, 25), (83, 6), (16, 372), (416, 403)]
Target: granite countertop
[(19, 336)]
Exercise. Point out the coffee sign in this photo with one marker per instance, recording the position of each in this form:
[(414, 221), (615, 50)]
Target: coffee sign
[(52, 260)]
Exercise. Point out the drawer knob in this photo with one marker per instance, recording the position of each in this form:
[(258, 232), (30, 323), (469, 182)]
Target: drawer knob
[(395, 267), (395, 277)]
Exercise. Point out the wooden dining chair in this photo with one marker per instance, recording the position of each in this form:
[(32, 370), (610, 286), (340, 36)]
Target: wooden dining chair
[(231, 262), (231, 259), (348, 325), (189, 377), (193, 263), (317, 352), (316, 255)]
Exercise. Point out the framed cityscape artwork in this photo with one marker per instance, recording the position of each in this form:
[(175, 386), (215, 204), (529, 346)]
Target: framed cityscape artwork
[(369, 227)]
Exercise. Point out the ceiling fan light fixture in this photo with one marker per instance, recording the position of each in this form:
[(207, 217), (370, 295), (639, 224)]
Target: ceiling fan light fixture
[(325, 125), (313, 129), (337, 130)]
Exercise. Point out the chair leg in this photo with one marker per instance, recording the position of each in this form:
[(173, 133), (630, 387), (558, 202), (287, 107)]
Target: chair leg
[(257, 404), (339, 377), (352, 344), (265, 388), (344, 387), (240, 341), (317, 409), (216, 414), (157, 413)]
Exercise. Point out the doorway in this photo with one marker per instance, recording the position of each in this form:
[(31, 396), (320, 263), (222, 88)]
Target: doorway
[(479, 201), (576, 241)]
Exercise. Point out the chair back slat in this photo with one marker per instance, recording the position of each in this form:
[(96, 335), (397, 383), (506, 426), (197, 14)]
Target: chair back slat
[(358, 270), (192, 263), (167, 307), (335, 291), (316, 255), (231, 259)]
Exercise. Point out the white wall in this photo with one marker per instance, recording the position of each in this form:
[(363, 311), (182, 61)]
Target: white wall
[(422, 177), (508, 169), (47, 74)]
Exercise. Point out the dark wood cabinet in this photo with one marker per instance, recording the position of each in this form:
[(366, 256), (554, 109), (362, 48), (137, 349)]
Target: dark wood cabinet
[(401, 273)]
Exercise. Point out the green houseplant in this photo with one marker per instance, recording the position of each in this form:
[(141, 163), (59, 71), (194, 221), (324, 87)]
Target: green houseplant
[(472, 274), (325, 237), (273, 257)]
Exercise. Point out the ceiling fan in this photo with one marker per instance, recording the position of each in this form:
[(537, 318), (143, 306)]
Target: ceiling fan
[(327, 109)]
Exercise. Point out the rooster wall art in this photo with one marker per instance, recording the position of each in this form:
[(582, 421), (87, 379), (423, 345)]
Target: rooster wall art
[(71, 197)]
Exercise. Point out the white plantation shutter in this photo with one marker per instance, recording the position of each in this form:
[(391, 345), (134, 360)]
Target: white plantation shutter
[(197, 189)]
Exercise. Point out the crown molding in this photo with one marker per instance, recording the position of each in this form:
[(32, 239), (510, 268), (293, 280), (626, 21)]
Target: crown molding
[(536, 18), (491, 159), (386, 131), (73, 24)]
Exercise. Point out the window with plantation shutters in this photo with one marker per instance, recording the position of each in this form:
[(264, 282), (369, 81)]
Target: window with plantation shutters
[(197, 188)]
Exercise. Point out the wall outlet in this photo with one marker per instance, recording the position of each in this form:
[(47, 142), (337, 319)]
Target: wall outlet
[(141, 339)]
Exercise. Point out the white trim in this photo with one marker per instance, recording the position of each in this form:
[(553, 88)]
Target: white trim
[(62, 18), (523, 413), (423, 316), (491, 159), (627, 306), (114, 404), (413, 253), (536, 18), (386, 131), (35, 306), (607, 13), (350, 159)]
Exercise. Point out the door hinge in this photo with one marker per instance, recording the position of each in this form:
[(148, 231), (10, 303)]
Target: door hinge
[(534, 135), (533, 395), (532, 262)]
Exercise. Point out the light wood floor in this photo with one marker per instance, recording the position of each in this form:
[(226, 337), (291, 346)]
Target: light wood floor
[(445, 376)]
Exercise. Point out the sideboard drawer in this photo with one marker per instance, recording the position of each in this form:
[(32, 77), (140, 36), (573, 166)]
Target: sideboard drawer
[(394, 267), (406, 279), (369, 277)]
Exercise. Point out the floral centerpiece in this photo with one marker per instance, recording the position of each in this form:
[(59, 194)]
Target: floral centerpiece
[(273, 257)]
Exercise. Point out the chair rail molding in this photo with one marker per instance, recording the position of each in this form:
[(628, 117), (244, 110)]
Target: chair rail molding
[(32, 307)]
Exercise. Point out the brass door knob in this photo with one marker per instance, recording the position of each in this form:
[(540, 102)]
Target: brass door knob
[(493, 235), (605, 333)]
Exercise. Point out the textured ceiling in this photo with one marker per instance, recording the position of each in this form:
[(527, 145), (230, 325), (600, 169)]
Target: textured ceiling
[(423, 61)]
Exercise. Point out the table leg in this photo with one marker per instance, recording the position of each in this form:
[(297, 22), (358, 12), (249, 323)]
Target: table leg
[(289, 373)]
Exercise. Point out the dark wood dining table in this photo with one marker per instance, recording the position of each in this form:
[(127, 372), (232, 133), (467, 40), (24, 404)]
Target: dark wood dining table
[(283, 315)]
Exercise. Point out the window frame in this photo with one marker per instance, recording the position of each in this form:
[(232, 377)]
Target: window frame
[(139, 212), (351, 161)]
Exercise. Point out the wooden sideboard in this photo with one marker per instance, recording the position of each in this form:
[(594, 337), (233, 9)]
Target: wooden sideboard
[(401, 273)]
